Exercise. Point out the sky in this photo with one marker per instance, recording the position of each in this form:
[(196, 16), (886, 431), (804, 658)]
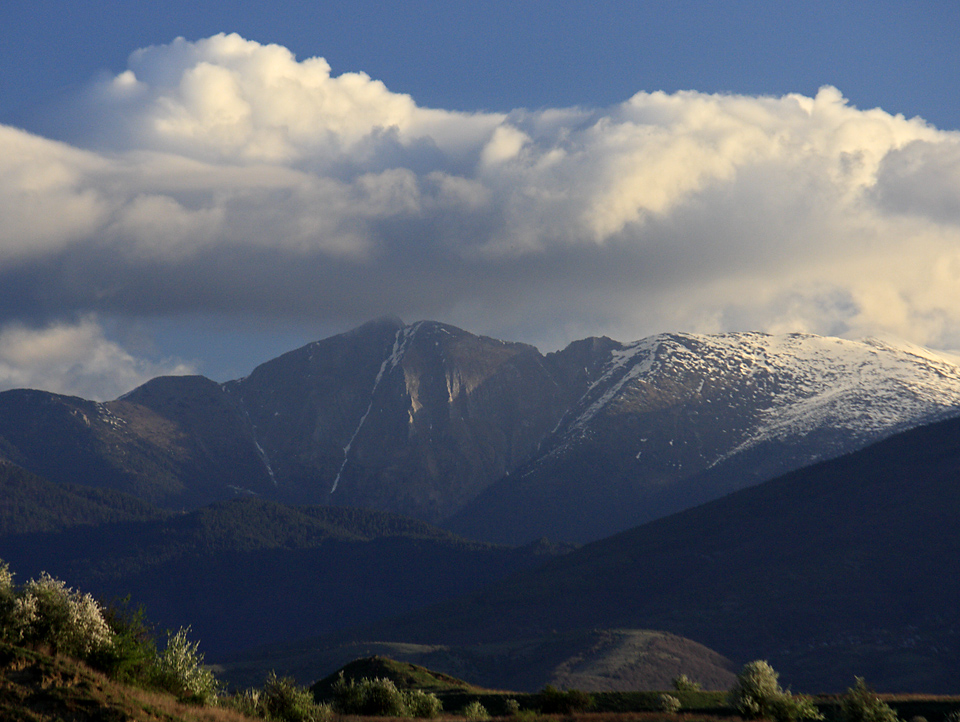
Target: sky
[(200, 187)]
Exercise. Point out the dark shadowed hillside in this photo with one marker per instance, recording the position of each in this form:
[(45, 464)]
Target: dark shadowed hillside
[(250, 572), (29, 503), (844, 568)]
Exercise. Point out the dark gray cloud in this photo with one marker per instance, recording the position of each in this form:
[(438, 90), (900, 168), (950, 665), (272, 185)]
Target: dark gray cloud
[(922, 179)]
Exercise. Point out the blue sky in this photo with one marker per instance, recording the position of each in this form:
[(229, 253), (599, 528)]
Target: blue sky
[(901, 56), (539, 171)]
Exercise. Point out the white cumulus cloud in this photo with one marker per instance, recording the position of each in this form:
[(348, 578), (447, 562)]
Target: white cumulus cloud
[(75, 359), (223, 176)]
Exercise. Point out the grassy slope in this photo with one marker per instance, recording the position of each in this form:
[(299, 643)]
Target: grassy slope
[(35, 687), (403, 674)]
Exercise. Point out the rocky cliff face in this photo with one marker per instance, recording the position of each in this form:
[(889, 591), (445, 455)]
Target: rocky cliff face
[(417, 419), (492, 438)]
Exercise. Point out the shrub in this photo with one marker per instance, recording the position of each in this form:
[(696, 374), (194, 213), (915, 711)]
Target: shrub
[(755, 689), (757, 693), (511, 707), (282, 699), (6, 601), (133, 654), (179, 669), (6, 578), (376, 696), (668, 703), (860, 704), (793, 707), (47, 611), (383, 699), (347, 696), (422, 704), (475, 711), (550, 700), (246, 702), (682, 683)]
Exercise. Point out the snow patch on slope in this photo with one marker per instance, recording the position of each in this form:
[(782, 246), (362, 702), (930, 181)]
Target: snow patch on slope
[(264, 459), (630, 362), (400, 342), (790, 385), (870, 387)]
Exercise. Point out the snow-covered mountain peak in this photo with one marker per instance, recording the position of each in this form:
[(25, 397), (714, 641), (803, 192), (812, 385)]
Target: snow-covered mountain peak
[(789, 383), (678, 419)]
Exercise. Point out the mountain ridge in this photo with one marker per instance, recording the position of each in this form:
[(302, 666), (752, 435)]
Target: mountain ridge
[(694, 416), (492, 439)]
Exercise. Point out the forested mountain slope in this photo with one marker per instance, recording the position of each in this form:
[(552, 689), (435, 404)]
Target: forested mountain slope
[(249, 572)]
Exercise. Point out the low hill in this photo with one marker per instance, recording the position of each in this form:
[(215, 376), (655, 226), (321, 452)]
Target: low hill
[(594, 660), (403, 674), (840, 569)]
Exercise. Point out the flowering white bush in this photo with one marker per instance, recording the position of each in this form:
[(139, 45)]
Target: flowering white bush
[(180, 669), (47, 611), (6, 579), (668, 703)]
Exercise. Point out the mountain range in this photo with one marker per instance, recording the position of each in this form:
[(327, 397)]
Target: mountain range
[(490, 439)]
